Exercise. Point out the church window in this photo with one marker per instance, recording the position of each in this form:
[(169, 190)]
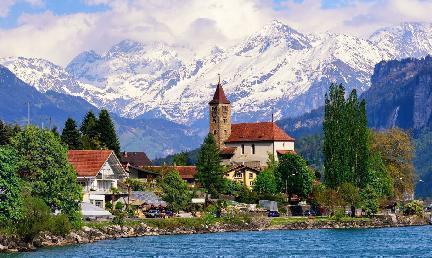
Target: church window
[(250, 175), (214, 132), (242, 149), (214, 120), (251, 183), (225, 121), (253, 148)]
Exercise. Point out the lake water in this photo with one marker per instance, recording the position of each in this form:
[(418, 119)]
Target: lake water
[(407, 241)]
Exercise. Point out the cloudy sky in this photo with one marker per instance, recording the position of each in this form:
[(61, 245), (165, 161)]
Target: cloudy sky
[(60, 29)]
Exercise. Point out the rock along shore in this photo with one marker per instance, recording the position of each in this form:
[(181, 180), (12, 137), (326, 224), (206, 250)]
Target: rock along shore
[(89, 235)]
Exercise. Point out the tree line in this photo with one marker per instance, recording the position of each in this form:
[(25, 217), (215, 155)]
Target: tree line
[(93, 134)]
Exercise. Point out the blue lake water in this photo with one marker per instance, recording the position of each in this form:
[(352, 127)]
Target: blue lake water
[(407, 241)]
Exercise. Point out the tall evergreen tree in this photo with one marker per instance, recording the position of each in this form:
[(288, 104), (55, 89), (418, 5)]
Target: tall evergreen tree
[(71, 136), (89, 130), (89, 125), (210, 171), (107, 133), (5, 133)]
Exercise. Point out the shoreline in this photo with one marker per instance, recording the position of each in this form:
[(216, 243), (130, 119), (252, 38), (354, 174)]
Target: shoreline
[(91, 234)]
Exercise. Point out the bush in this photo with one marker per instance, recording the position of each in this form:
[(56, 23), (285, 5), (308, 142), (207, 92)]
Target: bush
[(414, 207), (108, 206), (36, 217), (119, 218), (60, 225), (119, 206)]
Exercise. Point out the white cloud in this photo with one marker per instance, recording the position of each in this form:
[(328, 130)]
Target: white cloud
[(197, 23), (5, 6)]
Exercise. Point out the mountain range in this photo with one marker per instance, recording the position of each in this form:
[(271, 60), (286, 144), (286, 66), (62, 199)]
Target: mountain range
[(158, 93), (51, 108), (276, 70)]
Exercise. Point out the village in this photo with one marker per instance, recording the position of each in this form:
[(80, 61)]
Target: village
[(247, 167), (244, 149)]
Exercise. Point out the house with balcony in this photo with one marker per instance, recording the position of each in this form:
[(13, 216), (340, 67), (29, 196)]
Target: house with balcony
[(98, 171)]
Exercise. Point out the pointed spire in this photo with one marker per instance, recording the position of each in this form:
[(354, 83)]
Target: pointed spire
[(219, 95)]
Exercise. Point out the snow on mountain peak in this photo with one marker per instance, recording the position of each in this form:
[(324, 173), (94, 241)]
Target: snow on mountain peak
[(408, 39), (275, 70)]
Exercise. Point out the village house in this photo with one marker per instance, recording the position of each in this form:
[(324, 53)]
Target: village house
[(98, 171), (187, 173), (134, 159), (245, 147)]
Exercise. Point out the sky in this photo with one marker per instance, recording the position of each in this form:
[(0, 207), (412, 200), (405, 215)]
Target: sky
[(58, 30)]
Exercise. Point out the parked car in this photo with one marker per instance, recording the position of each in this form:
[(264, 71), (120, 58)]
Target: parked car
[(153, 214), (309, 213), (273, 214)]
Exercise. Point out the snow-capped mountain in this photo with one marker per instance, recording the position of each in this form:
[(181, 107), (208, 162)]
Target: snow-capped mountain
[(276, 70), (405, 40)]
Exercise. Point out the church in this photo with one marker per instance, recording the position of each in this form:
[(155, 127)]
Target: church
[(245, 147)]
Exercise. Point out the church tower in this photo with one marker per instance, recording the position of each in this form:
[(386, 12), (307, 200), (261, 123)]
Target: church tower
[(220, 116)]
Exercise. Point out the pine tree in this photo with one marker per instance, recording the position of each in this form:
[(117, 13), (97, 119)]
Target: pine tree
[(89, 130), (107, 133), (70, 136), (210, 171), (5, 133), (89, 125)]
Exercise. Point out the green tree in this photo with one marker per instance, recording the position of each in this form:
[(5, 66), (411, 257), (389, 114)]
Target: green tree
[(10, 186), (210, 171), (350, 195), (175, 191), (90, 133), (71, 136), (294, 175), (397, 152), (346, 145), (378, 177), (5, 133), (43, 165), (181, 159), (265, 182), (107, 133), (369, 200)]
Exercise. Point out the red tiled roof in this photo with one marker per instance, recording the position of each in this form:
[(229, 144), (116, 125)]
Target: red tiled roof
[(253, 132), (88, 162), (136, 159), (219, 96), (186, 172), (228, 151), (282, 152)]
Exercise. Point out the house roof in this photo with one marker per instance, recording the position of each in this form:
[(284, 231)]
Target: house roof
[(282, 152), (186, 172), (136, 159), (88, 162), (219, 96), (241, 167), (228, 151), (255, 132)]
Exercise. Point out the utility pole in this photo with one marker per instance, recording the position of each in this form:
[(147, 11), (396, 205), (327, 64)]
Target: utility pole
[(28, 113)]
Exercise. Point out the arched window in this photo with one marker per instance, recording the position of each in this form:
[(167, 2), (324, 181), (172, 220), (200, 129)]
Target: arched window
[(253, 148), (214, 132)]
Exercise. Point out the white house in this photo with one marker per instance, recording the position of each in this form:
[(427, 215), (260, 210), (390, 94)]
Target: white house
[(98, 171)]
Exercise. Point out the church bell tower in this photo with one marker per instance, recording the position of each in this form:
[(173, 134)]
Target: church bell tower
[(220, 116)]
